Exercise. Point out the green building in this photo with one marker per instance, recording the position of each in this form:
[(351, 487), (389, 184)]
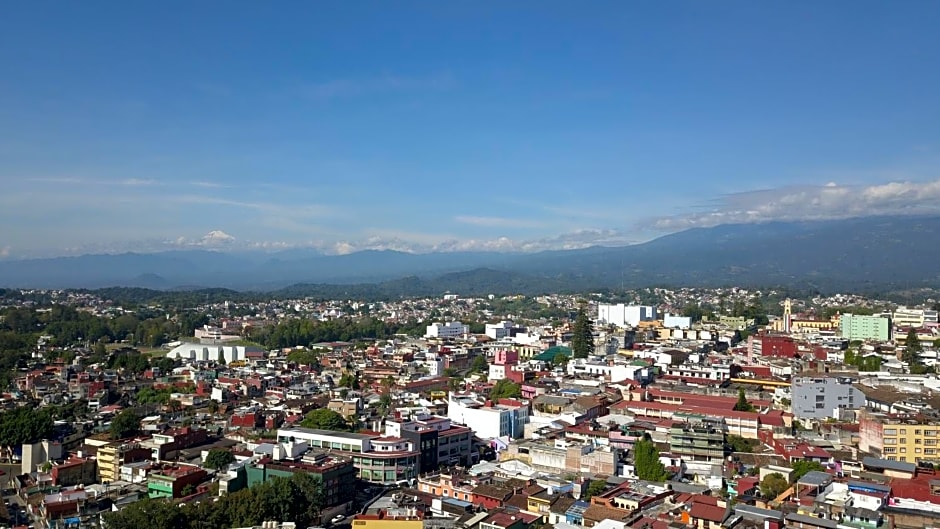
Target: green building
[(338, 475), (172, 482), (865, 328)]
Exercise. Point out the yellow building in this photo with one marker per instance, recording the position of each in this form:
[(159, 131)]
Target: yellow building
[(388, 520), (113, 455), (910, 439)]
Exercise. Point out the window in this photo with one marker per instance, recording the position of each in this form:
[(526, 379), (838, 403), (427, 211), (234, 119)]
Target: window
[(903, 431), (890, 441), (903, 450), (890, 431)]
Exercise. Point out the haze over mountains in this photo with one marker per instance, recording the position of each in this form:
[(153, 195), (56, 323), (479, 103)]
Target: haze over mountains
[(852, 253)]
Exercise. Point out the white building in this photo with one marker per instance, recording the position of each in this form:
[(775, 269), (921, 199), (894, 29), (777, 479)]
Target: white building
[(671, 321), (488, 422), (623, 315), (450, 329), (499, 330), (212, 353), (823, 397), (613, 373), (905, 317)]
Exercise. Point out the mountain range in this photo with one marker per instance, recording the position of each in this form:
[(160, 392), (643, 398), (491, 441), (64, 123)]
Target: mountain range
[(859, 253)]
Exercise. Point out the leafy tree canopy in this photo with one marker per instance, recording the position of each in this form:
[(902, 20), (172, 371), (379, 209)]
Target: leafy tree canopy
[(742, 404), (24, 424), (125, 424), (505, 389), (647, 463), (594, 488), (801, 468), (219, 458), (479, 365), (297, 499), (325, 419), (773, 485)]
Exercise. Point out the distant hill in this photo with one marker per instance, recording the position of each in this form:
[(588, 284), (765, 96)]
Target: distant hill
[(854, 254)]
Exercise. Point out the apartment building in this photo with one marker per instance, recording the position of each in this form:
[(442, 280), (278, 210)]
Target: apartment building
[(379, 459), (112, 456), (862, 327), (909, 317), (450, 329), (697, 437), (907, 438), (623, 315), (822, 397), (488, 420)]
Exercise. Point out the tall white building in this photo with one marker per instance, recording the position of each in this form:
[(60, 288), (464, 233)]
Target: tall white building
[(499, 330), (450, 329), (623, 315)]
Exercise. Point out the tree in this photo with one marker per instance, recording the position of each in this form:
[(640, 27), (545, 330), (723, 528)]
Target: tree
[(743, 404), (912, 349), (124, 424), (349, 380), (773, 485), (480, 365), (385, 403), (505, 389), (739, 444), (24, 424), (647, 463), (594, 488), (213, 407), (582, 336), (560, 359), (219, 458), (801, 468), (325, 419)]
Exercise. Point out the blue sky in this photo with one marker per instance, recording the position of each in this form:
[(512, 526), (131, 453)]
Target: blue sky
[(455, 125)]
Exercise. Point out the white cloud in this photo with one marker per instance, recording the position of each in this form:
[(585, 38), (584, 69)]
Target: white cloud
[(5, 252), (430, 243), (830, 201)]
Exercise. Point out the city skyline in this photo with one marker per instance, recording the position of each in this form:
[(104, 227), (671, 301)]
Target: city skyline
[(441, 127)]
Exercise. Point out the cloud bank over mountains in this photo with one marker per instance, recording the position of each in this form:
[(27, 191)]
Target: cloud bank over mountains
[(523, 234), (826, 202)]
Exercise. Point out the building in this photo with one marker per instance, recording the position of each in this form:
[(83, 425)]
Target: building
[(917, 318), (379, 459), (213, 353), (450, 329), (390, 519), (672, 321), (499, 330), (907, 438), (865, 328), (821, 398), (697, 438), (75, 471), (175, 481), (113, 455), (774, 345), (336, 474), (623, 315), (438, 440), (486, 419)]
